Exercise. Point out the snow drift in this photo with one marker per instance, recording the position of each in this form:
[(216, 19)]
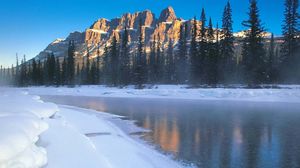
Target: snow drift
[(21, 123)]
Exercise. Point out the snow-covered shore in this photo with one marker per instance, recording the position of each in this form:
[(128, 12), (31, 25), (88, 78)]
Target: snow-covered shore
[(38, 134), (288, 93), (21, 123)]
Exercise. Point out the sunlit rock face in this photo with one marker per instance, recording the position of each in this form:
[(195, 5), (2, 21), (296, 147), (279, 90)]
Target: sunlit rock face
[(167, 15), (101, 32), (165, 28)]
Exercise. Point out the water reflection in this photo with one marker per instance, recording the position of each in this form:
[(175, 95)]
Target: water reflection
[(212, 134)]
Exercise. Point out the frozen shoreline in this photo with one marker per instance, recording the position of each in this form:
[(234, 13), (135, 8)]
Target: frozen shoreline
[(65, 136), (285, 94), (38, 134)]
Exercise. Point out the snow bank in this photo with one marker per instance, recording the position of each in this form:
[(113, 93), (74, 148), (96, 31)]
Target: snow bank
[(86, 138), (285, 93), (21, 123), (35, 134)]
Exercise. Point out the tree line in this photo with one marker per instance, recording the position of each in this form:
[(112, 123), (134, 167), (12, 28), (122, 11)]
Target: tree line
[(207, 58)]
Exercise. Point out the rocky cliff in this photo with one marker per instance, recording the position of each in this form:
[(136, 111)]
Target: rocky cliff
[(166, 27), (100, 33)]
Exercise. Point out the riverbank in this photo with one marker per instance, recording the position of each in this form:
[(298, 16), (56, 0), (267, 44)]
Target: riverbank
[(38, 134), (282, 93)]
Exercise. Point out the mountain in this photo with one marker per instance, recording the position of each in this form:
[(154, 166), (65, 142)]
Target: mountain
[(100, 33), (166, 26)]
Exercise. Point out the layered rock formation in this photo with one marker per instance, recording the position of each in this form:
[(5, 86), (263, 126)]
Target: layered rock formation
[(100, 33), (165, 28)]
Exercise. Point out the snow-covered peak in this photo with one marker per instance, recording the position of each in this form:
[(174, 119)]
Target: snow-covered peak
[(58, 40)]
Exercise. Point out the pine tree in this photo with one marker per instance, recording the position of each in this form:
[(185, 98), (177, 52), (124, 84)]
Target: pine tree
[(170, 64), (78, 74), (202, 49), (46, 70), (114, 54), (152, 62), (253, 48), (140, 69), (35, 74), (40, 73), (106, 68), (24, 79), (290, 59), (181, 57), (98, 65), (64, 77), (12, 82), (227, 63), (194, 55), (83, 72), (125, 60), (272, 67), (57, 74), (70, 62), (88, 77), (93, 73), (51, 68), (17, 77), (1, 75), (211, 68), (158, 70)]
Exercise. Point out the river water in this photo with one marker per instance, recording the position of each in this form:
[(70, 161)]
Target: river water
[(210, 134)]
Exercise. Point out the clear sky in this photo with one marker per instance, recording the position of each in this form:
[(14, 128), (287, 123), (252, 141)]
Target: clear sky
[(28, 26)]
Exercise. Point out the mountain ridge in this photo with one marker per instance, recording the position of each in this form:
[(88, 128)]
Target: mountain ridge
[(100, 33)]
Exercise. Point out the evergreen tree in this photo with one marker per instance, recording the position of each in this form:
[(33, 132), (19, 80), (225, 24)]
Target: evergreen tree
[(98, 65), (93, 73), (170, 64), (70, 62), (12, 75), (253, 52), (83, 72), (64, 77), (17, 77), (195, 59), (290, 59), (211, 68), (158, 71), (78, 74), (1, 76), (125, 59), (51, 68), (272, 67), (140, 69), (152, 62), (106, 68), (40, 73), (88, 77), (46, 70), (227, 63), (202, 49), (57, 74), (181, 57), (24, 78), (114, 54), (35, 73)]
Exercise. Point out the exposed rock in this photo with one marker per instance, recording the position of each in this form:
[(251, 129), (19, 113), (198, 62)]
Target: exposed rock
[(101, 32), (167, 15), (77, 37), (101, 24)]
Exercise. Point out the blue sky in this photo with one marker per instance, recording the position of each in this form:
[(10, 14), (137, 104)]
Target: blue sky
[(28, 26)]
